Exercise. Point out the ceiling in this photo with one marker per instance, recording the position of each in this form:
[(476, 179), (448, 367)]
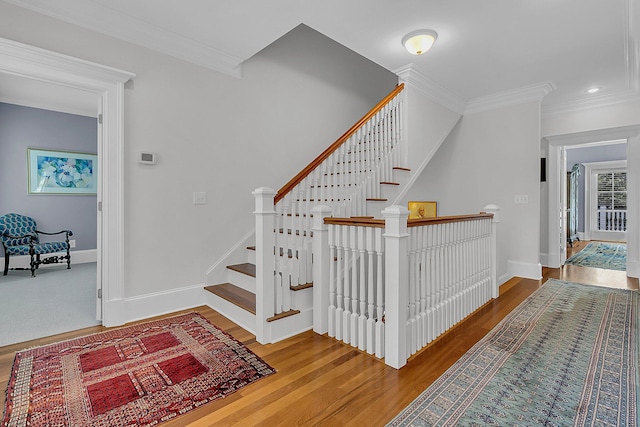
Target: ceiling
[(484, 48)]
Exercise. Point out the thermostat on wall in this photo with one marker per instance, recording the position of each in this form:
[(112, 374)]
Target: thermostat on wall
[(147, 158)]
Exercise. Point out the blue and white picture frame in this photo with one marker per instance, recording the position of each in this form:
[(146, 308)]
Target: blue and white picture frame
[(62, 172)]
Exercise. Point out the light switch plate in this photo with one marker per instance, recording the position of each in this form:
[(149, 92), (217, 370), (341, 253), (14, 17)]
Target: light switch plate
[(520, 199), (199, 198)]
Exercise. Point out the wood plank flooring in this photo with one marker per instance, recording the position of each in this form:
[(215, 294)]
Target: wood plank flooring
[(323, 382)]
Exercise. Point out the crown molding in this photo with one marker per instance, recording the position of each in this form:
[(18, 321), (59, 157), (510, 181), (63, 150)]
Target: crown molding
[(410, 76), (626, 97), (535, 92), (38, 58), (97, 17)]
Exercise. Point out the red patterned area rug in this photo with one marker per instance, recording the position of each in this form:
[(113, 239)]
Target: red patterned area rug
[(140, 375)]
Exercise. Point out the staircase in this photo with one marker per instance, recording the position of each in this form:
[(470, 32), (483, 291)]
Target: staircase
[(356, 176), (236, 296)]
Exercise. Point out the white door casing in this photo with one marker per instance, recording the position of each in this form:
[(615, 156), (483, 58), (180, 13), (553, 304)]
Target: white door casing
[(107, 83), (556, 144)]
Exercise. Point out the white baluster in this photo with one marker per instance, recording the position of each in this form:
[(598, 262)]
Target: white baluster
[(370, 246), (362, 319), (339, 281), (380, 304), (412, 337), (353, 322), (346, 315), (331, 312)]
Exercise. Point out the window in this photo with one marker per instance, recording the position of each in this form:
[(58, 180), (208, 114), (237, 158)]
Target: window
[(611, 201)]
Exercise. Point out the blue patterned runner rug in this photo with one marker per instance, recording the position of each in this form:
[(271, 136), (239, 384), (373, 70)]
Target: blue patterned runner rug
[(566, 356), (612, 256)]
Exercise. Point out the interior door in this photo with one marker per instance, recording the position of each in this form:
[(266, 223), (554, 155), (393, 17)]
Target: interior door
[(99, 298), (563, 206)]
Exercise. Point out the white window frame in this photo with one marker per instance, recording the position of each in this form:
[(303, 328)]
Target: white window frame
[(590, 203)]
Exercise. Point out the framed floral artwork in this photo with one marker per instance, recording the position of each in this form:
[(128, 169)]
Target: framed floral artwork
[(61, 172), (419, 210)]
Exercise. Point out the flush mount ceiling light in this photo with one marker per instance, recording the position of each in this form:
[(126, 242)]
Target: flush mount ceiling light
[(593, 90), (418, 42)]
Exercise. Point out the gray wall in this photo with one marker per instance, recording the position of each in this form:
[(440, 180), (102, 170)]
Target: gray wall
[(24, 127), (598, 153)]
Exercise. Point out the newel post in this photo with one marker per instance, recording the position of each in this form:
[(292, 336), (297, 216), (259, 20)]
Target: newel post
[(396, 285), (494, 209), (321, 253), (265, 261)]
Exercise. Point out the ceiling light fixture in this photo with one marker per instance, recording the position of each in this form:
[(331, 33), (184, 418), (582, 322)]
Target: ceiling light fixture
[(593, 90), (418, 42)]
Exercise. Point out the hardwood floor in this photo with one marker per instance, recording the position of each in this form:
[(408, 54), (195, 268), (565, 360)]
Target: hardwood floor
[(323, 382)]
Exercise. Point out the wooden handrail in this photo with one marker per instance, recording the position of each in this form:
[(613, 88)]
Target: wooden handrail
[(362, 222), (379, 223), (333, 147), (444, 219)]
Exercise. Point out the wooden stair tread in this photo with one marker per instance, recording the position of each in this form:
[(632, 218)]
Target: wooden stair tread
[(390, 183), (301, 287), (401, 168), (251, 248), (245, 268), (376, 200), (283, 315), (235, 295)]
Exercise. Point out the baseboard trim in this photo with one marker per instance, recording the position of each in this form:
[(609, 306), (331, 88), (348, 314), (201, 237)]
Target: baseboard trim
[(633, 269), (524, 269), (159, 303), (77, 257)]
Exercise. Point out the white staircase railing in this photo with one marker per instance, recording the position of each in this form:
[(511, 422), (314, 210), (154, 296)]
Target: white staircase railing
[(390, 287), (348, 173)]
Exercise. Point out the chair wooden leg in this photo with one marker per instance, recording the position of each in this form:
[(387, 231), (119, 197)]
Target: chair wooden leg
[(33, 265), (6, 264)]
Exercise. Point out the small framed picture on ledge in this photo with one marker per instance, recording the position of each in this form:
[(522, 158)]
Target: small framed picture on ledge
[(419, 210)]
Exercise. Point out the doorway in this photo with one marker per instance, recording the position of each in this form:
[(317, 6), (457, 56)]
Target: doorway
[(106, 85), (55, 300), (556, 212)]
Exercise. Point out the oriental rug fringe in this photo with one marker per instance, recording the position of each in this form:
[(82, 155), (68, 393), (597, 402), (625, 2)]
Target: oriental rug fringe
[(567, 356), (610, 256), (139, 375)]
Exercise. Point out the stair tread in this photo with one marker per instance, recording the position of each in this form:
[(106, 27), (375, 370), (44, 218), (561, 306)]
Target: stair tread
[(244, 268), (235, 295), (301, 287), (399, 168), (376, 200), (283, 315)]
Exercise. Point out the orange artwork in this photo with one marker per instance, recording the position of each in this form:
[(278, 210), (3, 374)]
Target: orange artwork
[(419, 210)]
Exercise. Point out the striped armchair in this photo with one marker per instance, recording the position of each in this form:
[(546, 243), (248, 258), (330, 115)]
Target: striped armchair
[(20, 236)]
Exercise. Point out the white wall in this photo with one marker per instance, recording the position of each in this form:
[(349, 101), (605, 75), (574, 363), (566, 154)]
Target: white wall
[(212, 133), (488, 158)]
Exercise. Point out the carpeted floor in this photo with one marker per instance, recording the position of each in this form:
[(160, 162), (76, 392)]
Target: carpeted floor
[(56, 300), (139, 375), (610, 256), (567, 356)]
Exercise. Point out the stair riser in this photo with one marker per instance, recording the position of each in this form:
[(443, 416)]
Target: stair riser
[(303, 299), (375, 208), (231, 311), (291, 326), (251, 256), (390, 192), (242, 280)]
